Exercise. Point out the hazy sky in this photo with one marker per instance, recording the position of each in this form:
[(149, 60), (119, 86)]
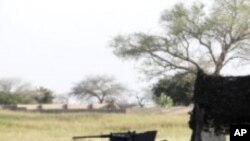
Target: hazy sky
[(56, 43)]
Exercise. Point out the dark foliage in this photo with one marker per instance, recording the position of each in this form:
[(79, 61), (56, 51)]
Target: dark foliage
[(179, 88), (44, 96), (225, 100)]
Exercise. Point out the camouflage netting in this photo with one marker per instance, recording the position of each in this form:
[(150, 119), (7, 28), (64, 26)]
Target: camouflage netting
[(225, 101)]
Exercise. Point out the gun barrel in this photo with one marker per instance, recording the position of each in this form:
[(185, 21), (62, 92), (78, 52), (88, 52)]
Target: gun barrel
[(95, 136)]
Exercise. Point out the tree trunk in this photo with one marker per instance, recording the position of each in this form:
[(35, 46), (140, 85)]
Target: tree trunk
[(101, 101), (198, 133), (217, 69), (211, 136), (198, 123), (219, 64)]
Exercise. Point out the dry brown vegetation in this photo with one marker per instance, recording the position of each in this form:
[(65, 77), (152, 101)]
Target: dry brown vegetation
[(25, 126)]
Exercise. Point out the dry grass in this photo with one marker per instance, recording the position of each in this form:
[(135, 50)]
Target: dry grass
[(20, 126)]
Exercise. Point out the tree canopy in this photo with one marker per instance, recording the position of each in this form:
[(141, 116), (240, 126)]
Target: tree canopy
[(43, 95), (178, 87), (193, 38)]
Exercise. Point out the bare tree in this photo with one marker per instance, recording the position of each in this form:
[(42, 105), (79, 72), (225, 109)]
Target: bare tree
[(61, 99), (144, 97), (14, 85), (194, 38), (100, 87), (141, 100)]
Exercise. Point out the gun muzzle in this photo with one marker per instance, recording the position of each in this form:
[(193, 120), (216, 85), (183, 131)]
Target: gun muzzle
[(95, 136)]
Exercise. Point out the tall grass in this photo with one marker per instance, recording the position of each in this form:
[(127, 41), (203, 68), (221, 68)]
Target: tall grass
[(22, 126)]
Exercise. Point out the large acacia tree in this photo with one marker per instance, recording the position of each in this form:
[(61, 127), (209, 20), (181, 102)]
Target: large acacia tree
[(195, 38)]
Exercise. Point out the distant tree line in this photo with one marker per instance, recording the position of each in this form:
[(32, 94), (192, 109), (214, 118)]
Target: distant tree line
[(14, 91), (168, 91)]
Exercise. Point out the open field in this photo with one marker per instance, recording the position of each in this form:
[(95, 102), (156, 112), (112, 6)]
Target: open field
[(21, 126)]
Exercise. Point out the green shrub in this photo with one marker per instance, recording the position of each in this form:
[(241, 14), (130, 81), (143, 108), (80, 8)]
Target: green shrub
[(164, 100), (7, 98)]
